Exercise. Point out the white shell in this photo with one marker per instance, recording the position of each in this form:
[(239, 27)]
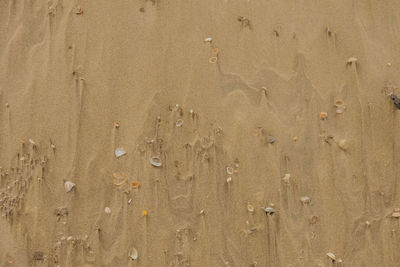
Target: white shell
[(331, 256), (32, 142), (107, 210), (250, 207), (69, 186), (342, 144), (119, 152), (269, 210), (179, 123), (305, 200), (134, 254), (286, 178), (156, 161), (208, 40), (351, 60), (229, 179), (229, 170)]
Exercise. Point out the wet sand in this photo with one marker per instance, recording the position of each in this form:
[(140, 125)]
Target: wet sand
[(253, 133)]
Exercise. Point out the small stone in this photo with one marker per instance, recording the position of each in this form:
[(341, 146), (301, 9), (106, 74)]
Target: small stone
[(295, 139), (119, 152), (351, 60), (69, 186), (389, 64), (323, 115), (7, 105), (271, 139), (107, 210), (229, 179), (367, 223)]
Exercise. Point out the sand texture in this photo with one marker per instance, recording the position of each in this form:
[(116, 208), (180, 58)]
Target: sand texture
[(127, 138)]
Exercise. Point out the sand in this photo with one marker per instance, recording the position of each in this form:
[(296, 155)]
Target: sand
[(240, 123)]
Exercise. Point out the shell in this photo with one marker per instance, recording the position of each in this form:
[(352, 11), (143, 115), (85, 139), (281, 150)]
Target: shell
[(134, 254), (331, 256), (144, 213), (135, 184), (117, 124), (215, 51), (213, 59), (229, 170), (179, 123), (339, 111), (343, 144), (32, 142), (339, 103), (271, 139), (119, 178), (107, 210), (351, 60), (208, 40), (156, 161), (250, 207), (286, 178), (305, 200), (69, 186), (269, 210), (396, 213), (78, 10), (229, 179), (323, 115), (119, 152)]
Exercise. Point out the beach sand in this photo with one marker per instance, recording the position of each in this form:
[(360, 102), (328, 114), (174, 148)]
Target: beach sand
[(284, 109)]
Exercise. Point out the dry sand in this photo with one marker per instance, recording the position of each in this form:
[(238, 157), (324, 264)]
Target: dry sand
[(69, 69)]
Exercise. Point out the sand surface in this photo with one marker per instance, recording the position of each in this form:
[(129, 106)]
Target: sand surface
[(243, 122)]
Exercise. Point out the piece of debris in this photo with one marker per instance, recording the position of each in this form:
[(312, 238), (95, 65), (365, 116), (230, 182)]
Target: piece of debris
[(305, 200), (208, 40), (351, 60), (271, 139), (323, 115), (396, 213), (286, 179), (331, 256), (156, 161), (119, 152), (107, 210), (269, 210), (69, 186), (78, 10), (133, 255)]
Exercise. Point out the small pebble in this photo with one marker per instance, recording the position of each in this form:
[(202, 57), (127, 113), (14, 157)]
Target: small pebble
[(107, 210)]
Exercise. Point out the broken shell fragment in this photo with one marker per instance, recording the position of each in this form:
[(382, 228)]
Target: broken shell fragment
[(229, 179), (286, 179), (229, 170), (179, 123), (107, 210), (396, 213), (343, 144), (331, 256), (135, 185), (144, 213), (339, 111), (119, 178), (351, 60), (339, 103), (78, 10), (250, 207), (117, 124), (32, 142), (69, 186), (323, 115), (119, 152), (156, 161), (134, 254), (208, 40), (213, 59), (269, 210), (215, 51), (305, 200)]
